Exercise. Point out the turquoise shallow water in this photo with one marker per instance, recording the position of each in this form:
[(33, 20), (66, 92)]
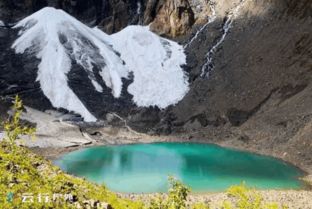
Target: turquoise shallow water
[(144, 168)]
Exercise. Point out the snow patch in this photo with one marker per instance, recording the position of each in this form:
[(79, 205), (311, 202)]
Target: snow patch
[(2, 23), (156, 63), (97, 86)]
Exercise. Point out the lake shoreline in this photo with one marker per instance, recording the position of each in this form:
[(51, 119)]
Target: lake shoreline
[(52, 153), (292, 198), (56, 137)]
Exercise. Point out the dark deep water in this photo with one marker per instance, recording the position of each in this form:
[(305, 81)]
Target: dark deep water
[(144, 168)]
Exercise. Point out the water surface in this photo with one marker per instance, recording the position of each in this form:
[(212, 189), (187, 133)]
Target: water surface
[(144, 168)]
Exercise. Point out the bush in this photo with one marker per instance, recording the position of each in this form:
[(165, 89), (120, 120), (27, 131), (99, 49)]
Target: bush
[(246, 198), (13, 128), (176, 199), (177, 194)]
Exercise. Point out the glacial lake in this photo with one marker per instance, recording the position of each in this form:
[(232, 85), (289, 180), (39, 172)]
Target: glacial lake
[(144, 168)]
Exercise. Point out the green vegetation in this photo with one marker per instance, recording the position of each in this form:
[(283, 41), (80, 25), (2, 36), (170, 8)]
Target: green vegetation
[(177, 197), (246, 198), (239, 197), (13, 128), (24, 175), (29, 181)]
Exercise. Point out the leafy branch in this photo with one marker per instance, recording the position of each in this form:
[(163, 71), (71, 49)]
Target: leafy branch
[(13, 127)]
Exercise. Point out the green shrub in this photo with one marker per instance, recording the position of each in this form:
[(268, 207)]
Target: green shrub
[(199, 206), (13, 128), (177, 196), (243, 197)]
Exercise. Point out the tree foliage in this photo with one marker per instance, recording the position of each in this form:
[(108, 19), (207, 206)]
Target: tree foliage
[(13, 128)]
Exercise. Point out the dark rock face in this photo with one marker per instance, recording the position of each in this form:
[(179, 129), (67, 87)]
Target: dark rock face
[(261, 83), (144, 119), (99, 104), (12, 11), (253, 63), (18, 74), (110, 15)]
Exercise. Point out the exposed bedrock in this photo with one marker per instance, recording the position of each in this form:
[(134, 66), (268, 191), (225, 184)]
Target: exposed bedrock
[(174, 18), (260, 87), (109, 15), (169, 17)]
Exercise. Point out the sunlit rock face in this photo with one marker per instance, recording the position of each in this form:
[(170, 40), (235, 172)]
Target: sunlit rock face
[(202, 10), (175, 17)]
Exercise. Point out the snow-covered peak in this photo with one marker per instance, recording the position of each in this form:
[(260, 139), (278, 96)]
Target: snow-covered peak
[(1, 23), (58, 40)]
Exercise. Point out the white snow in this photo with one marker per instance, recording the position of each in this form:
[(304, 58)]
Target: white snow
[(57, 39), (156, 65), (97, 86), (1, 23)]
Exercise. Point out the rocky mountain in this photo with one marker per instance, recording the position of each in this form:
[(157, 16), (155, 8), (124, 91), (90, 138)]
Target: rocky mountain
[(110, 15), (254, 89), (246, 80), (77, 66)]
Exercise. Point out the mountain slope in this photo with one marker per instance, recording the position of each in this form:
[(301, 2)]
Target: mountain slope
[(258, 94), (56, 41), (62, 42)]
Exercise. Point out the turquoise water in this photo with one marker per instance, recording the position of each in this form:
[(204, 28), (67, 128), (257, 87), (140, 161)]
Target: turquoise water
[(144, 168)]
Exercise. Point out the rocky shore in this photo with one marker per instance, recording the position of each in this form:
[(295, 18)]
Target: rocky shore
[(291, 198), (56, 136)]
